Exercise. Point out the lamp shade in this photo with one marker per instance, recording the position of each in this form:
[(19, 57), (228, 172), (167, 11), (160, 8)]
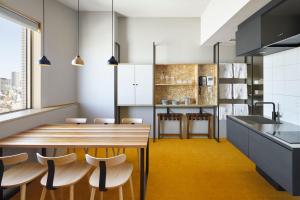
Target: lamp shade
[(77, 61), (44, 61), (113, 61)]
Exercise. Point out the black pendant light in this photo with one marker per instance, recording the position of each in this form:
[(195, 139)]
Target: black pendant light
[(77, 61), (44, 60), (112, 61)]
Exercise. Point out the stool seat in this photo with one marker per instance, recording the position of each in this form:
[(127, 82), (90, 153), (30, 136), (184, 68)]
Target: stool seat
[(199, 117), (169, 117), (22, 174)]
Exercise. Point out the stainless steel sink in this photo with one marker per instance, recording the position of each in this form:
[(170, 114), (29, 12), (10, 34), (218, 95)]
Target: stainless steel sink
[(255, 119)]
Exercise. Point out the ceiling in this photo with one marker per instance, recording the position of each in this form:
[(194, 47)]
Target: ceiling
[(144, 8), (227, 31)]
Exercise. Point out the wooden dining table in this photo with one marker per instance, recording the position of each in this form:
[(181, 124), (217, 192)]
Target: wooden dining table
[(86, 136)]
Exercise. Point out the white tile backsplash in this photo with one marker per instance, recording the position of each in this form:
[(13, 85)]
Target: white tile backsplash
[(268, 87), (291, 72), (282, 84)]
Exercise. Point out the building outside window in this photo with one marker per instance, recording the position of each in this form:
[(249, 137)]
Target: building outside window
[(15, 66)]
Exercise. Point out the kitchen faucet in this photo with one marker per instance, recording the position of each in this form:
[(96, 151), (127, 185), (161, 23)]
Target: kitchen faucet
[(275, 114)]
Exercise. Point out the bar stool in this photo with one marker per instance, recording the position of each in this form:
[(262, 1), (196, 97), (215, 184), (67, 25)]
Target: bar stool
[(169, 117), (198, 117)]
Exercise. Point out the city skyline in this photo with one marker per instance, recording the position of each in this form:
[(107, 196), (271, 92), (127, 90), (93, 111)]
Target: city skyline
[(9, 60), (12, 67)]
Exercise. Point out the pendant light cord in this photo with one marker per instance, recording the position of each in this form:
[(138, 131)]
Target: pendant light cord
[(78, 28), (112, 27), (43, 42)]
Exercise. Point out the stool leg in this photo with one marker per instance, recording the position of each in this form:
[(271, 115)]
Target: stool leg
[(72, 192), (43, 195), (180, 127), (158, 128), (131, 188), (106, 152), (209, 127), (120, 193), (188, 128), (52, 194), (101, 195), (93, 194), (23, 192)]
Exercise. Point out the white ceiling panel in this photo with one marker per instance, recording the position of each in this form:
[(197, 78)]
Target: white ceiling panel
[(144, 8)]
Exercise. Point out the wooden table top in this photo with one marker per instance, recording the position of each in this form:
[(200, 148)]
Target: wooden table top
[(80, 135)]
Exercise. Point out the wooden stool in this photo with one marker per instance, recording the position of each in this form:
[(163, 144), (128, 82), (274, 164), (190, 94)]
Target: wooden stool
[(170, 117), (197, 117)]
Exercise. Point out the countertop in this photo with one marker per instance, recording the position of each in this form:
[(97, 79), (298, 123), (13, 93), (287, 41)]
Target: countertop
[(265, 129), (185, 106)]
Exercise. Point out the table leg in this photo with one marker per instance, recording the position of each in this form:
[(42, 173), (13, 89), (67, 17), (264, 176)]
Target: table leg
[(44, 152), (142, 174)]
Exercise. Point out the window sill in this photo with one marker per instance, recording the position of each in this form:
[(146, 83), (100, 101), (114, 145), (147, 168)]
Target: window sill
[(30, 112)]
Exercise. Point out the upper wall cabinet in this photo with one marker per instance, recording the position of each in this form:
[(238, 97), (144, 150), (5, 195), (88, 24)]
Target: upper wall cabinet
[(272, 29), (135, 85)]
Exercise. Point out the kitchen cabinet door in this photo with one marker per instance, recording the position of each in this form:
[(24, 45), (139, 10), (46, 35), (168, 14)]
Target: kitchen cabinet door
[(238, 135), (273, 159), (143, 84), (126, 85)]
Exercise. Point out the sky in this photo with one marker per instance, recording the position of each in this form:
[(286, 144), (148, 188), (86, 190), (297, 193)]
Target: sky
[(10, 47)]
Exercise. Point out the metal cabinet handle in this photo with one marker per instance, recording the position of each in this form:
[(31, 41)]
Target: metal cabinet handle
[(280, 34)]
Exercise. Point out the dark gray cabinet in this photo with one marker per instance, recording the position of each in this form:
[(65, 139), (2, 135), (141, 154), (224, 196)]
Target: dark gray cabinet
[(238, 135), (280, 23), (273, 159), (272, 29), (277, 163), (248, 36)]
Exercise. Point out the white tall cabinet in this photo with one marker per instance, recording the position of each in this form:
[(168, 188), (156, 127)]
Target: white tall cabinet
[(135, 85)]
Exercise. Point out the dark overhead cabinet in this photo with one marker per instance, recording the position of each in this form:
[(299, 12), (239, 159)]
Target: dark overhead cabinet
[(274, 28)]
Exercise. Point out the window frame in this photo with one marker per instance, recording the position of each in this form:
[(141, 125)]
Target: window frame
[(28, 71)]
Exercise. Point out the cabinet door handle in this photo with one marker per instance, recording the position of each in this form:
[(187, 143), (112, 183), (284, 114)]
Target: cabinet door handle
[(280, 34)]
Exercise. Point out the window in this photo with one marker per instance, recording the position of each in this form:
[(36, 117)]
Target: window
[(15, 66)]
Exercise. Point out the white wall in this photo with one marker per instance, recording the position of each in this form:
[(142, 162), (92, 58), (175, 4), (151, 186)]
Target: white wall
[(282, 84), (58, 82), (177, 38), (217, 14), (96, 79), (179, 42)]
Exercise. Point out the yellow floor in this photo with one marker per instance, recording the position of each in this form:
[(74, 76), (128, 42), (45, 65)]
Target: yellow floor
[(192, 169)]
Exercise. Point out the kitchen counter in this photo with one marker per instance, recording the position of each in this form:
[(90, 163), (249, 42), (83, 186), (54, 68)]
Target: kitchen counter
[(267, 129), (276, 160), (184, 106)]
